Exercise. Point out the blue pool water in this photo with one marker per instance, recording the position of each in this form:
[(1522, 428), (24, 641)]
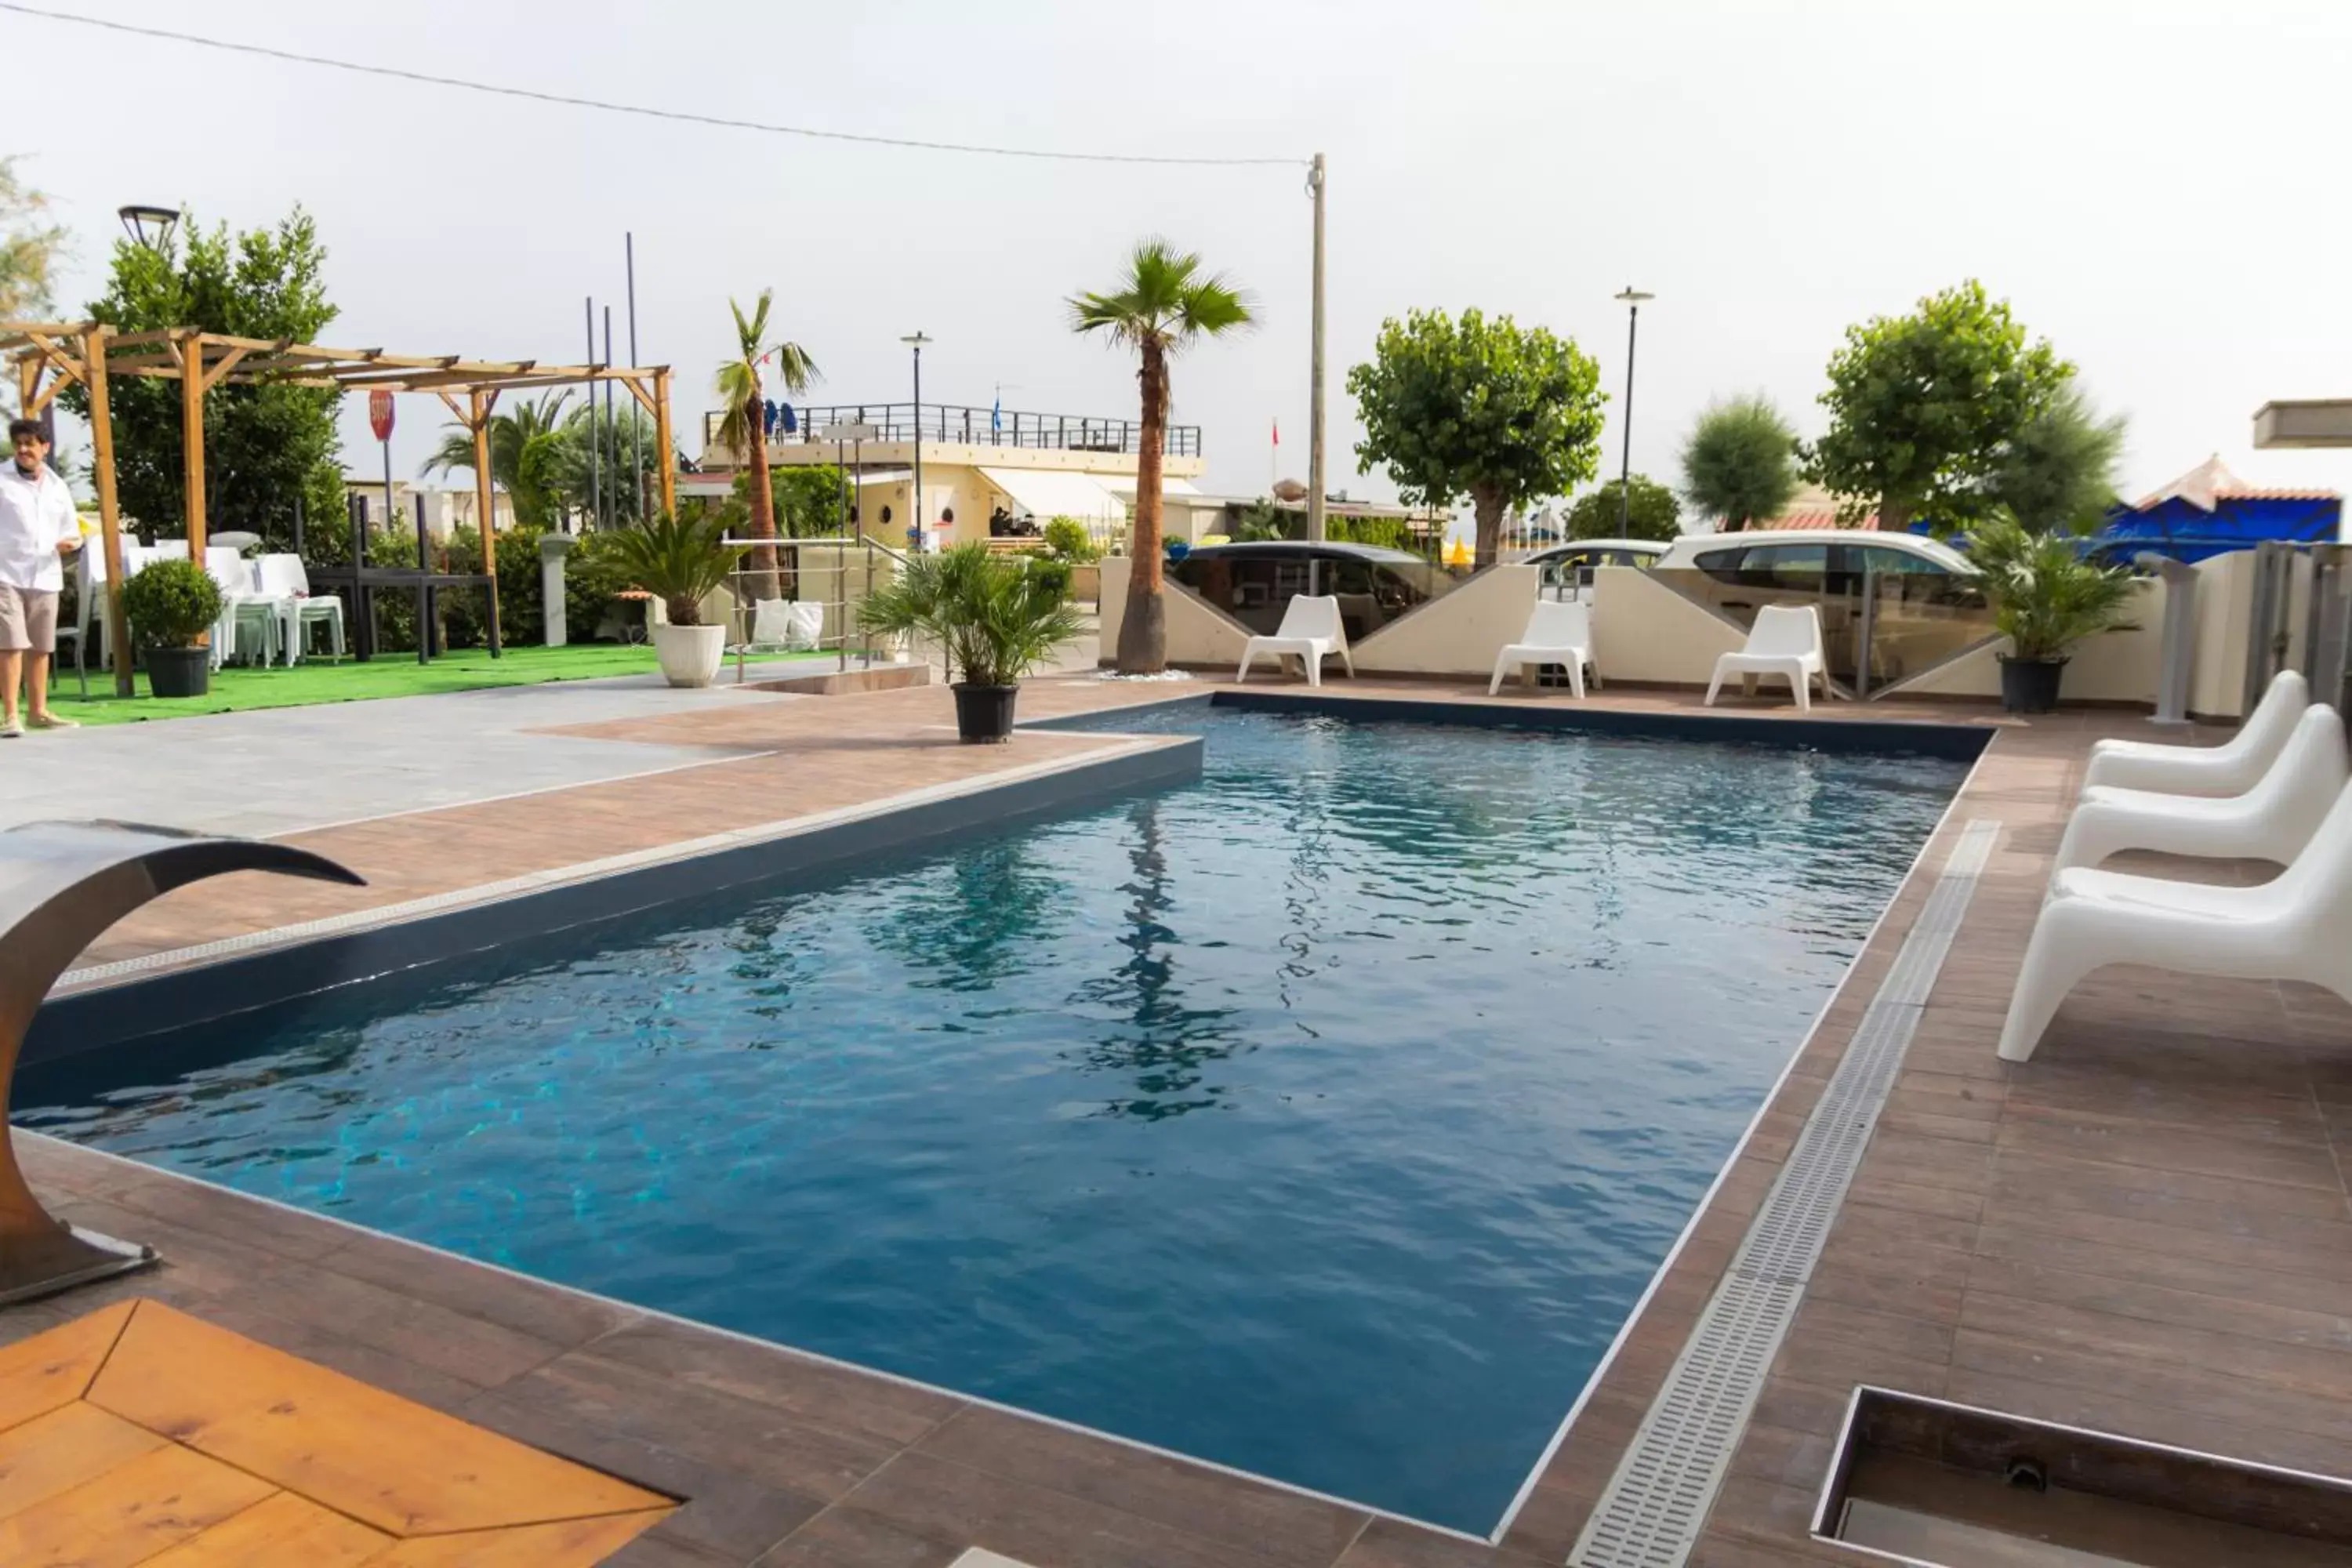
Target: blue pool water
[(1325, 1119)]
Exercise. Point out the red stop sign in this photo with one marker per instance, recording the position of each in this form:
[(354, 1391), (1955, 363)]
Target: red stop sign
[(380, 415)]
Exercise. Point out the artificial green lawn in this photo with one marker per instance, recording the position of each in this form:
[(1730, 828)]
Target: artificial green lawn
[(238, 689)]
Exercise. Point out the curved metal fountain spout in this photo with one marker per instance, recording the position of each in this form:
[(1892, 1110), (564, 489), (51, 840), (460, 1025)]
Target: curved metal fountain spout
[(61, 884)]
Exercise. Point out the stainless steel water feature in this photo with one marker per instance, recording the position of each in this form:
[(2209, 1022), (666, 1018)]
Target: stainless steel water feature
[(61, 884)]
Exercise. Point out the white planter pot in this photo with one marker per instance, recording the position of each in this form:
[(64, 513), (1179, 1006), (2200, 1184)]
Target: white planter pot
[(690, 655)]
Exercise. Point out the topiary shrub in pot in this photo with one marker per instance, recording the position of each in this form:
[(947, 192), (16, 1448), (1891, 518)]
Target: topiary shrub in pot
[(680, 561), (171, 604), (992, 619), (2046, 596)]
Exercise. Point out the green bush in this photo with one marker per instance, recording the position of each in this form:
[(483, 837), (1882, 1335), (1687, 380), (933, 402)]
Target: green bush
[(171, 604), (1051, 574), (522, 605), (1067, 539), (1388, 532), (594, 577)]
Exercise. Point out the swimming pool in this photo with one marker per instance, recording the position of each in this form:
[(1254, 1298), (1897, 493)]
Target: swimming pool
[(1324, 1119)]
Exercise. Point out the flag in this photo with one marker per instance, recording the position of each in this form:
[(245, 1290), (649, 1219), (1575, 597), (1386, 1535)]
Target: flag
[(1277, 432), (996, 416)]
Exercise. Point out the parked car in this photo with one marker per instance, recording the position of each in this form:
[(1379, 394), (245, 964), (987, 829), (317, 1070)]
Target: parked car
[(1568, 568), (1253, 582), (1584, 554), (1802, 557), (1926, 605)]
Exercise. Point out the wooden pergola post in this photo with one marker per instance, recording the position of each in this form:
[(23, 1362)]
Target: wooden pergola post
[(192, 440), (662, 449), (110, 521), (479, 420)]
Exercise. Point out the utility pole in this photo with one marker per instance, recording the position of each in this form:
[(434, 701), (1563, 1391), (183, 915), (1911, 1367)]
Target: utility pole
[(1632, 297), (1315, 387)]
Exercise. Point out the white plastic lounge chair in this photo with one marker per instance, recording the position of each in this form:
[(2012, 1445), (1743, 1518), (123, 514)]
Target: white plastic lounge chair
[(2272, 821), (1785, 641), (2291, 928), (288, 587), (1311, 632), (1558, 631), (2230, 768)]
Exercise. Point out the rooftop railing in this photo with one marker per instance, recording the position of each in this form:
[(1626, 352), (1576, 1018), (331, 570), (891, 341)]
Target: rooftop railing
[(964, 426)]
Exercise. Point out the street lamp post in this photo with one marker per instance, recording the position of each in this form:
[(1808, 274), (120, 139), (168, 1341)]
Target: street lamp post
[(916, 340), (1632, 297), (150, 227)]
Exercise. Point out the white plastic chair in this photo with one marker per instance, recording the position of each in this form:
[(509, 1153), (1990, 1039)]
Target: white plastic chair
[(1786, 640), (2230, 768), (2272, 821), (2290, 928), (1558, 631), (1311, 632), (287, 588), (245, 616)]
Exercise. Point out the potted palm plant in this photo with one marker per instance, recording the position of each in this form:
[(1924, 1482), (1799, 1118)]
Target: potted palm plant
[(993, 621), (171, 604), (680, 561), (2046, 597)]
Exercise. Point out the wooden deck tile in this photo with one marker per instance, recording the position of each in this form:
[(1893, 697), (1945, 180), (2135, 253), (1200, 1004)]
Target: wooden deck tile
[(280, 1529), (131, 1512), (38, 1376), (392, 1464)]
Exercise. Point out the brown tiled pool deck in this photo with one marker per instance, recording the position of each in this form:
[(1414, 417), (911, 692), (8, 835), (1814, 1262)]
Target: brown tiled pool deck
[(2146, 1230)]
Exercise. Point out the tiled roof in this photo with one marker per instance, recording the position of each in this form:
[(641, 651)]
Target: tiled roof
[(2211, 481)]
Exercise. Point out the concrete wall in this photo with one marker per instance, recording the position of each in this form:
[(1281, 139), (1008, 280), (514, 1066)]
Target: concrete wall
[(1459, 634), (1645, 631), (1198, 635)]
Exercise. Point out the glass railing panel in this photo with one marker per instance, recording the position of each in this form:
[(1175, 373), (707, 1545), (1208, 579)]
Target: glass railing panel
[(1915, 620)]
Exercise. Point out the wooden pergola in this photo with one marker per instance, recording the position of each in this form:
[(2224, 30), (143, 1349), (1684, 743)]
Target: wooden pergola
[(50, 355)]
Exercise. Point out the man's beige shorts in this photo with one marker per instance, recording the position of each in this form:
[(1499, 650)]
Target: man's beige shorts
[(28, 619)]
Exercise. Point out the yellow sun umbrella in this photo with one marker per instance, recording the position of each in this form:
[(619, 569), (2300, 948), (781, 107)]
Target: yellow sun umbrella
[(1457, 554)]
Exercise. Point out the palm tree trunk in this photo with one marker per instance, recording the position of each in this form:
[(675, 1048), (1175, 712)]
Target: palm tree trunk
[(1486, 507), (1143, 631), (762, 562)]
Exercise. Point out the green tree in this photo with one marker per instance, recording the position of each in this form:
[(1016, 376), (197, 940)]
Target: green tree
[(1653, 513), (29, 248), (809, 500), (744, 429), (516, 466), (1924, 407), (604, 460), (2059, 472), (1163, 304), (1487, 410), (1740, 462), (263, 445)]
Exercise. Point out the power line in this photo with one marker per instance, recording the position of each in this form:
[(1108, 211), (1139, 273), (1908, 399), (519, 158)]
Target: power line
[(606, 106)]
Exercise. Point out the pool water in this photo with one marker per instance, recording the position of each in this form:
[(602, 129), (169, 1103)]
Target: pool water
[(1325, 1119)]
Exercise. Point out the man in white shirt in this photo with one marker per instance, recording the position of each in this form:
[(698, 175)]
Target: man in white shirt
[(37, 531)]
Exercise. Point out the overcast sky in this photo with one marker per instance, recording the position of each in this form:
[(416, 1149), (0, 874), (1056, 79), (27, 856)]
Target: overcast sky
[(2156, 185)]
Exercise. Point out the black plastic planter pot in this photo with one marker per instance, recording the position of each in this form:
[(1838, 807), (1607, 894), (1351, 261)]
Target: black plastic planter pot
[(179, 672), (2029, 685), (984, 713)]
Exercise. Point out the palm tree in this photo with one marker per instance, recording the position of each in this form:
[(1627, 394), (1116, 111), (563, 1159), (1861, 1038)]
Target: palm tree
[(1740, 462), (1161, 306), (521, 440), (744, 429)]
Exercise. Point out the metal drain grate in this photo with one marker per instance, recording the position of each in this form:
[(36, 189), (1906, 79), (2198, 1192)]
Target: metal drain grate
[(1652, 1512)]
